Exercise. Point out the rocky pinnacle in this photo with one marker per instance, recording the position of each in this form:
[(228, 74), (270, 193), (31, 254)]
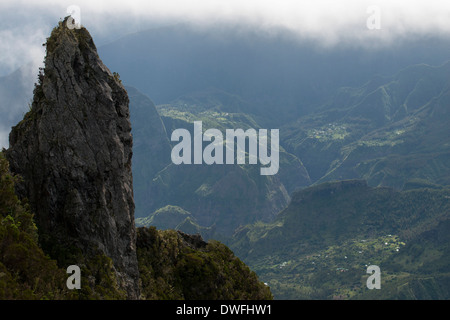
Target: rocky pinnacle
[(73, 150)]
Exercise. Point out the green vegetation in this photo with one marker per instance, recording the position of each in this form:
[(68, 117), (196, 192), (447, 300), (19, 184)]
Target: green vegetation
[(319, 247), (167, 217), (391, 132), (328, 132), (171, 268), (211, 118), (178, 266), (219, 198), (338, 271), (117, 77), (176, 218), (26, 272), (387, 131)]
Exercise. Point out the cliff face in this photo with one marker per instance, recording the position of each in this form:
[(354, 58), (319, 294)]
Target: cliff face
[(73, 150)]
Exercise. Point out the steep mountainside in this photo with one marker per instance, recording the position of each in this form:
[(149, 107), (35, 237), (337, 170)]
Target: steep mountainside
[(73, 150), (171, 265), (222, 197), (209, 271), (387, 132), (69, 161), (151, 148), (26, 272), (278, 76), (364, 169), (392, 131), (176, 218), (220, 110), (322, 243)]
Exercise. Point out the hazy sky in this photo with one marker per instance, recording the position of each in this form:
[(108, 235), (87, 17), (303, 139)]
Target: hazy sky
[(24, 25)]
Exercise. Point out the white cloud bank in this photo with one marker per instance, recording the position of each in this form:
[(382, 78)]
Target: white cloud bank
[(24, 25)]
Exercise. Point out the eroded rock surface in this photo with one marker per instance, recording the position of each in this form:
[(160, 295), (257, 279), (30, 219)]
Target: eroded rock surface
[(74, 151)]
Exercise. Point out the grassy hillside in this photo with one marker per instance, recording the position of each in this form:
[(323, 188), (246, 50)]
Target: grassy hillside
[(222, 197), (175, 265), (176, 218), (387, 132), (321, 244)]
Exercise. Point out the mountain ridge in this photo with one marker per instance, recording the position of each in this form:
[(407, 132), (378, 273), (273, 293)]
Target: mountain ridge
[(320, 246), (354, 141), (364, 161), (67, 196)]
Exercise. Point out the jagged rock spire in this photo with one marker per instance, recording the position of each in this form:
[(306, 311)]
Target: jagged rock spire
[(74, 150)]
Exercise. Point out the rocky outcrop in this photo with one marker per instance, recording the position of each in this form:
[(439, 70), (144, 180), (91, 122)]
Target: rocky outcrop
[(74, 151)]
